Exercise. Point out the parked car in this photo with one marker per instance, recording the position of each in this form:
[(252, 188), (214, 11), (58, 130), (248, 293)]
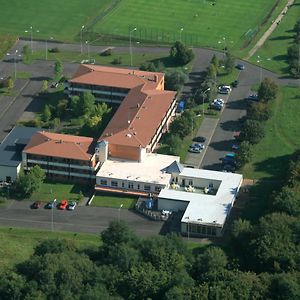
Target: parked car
[(240, 67), (229, 168), (224, 89), (195, 150), (235, 147), (228, 161), (54, 84), (231, 155), (199, 139), (216, 106), (72, 205), (235, 83), (198, 145), (63, 204), (50, 204), (252, 97), (219, 101), (36, 204)]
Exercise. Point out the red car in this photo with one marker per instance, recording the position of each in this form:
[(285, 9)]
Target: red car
[(63, 204)]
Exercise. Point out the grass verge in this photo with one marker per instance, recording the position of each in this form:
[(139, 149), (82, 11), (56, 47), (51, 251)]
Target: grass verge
[(114, 201)]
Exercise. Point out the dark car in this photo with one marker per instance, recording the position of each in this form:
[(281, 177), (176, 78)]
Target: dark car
[(199, 139), (36, 204), (229, 168), (235, 83), (50, 204), (216, 106), (252, 97), (240, 67)]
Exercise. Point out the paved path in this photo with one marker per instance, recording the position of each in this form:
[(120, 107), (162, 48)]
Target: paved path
[(266, 35)]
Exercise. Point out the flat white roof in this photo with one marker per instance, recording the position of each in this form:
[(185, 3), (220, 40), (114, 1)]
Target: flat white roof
[(204, 208), (149, 170)]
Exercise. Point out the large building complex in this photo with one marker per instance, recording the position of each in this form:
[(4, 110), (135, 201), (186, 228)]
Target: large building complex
[(122, 159)]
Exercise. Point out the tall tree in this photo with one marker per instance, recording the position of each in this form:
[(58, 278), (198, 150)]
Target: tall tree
[(268, 90)]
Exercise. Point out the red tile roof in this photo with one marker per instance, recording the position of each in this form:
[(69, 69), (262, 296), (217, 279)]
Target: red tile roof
[(61, 145)]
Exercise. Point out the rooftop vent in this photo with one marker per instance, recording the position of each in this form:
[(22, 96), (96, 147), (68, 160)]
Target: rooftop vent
[(128, 135), (137, 105)]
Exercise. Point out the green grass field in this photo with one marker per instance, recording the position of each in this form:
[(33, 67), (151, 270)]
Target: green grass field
[(19, 243), (60, 191), (60, 20), (273, 52), (282, 138), (114, 201), (203, 23)]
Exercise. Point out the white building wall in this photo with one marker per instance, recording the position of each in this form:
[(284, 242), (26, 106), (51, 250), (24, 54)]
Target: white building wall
[(172, 205), (7, 171)]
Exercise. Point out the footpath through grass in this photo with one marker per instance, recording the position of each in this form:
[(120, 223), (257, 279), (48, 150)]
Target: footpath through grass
[(272, 154), (17, 244), (274, 51)]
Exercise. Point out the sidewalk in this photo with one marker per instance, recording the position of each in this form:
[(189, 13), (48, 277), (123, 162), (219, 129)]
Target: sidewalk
[(207, 130)]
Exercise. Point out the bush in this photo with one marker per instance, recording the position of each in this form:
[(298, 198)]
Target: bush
[(54, 50), (181, 54), (117, 61)]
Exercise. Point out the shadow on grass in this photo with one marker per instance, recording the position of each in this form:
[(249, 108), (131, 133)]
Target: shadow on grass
[(280, 57), (281, 38)]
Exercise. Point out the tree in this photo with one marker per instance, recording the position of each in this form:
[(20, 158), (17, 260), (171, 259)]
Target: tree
[(12, 286), (252, 131), (259, 111), (268, 90), (212, 72), (37, 176), (61, 107), (87, 103), (245, 154), (58, 69), (174, 142), (215, 61), (175, 80), (46, 114), (10, 84), (74, 105), (228, 62), (180, 54), (54, 246), (288, 201), (45, 86)]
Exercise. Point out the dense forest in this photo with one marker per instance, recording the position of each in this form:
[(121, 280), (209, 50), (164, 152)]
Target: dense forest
[(260, 261)]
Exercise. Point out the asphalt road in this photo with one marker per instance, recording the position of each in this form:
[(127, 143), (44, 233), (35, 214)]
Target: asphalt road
[(82, 219)]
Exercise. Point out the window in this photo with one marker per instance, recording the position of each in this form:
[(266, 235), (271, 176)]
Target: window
[(138, 186), (114, 183), (130, 185), (147, 187), (123, 184), (157, 189), (103, 182), (214, 231), (190, 182)]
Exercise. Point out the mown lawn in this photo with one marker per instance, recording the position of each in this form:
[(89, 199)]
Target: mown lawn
[(17, 244), (60, 20), (59, 191), (114, 201), (273, 52), (202, 22), (282, 138)]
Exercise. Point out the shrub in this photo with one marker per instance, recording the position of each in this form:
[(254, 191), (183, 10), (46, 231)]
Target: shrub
[(117, 61), (106, 52)]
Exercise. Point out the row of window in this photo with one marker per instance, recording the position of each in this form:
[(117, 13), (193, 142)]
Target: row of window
[(130, 185), (58, 160), (201, 229), (99, 88)]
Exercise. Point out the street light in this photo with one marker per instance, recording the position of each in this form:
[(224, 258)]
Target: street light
[(53, 206), (119, 212), (51, 38), (203, 96), (180, 32), (224, 48), (15, 61), (199, 115), (88, 48), (130, 46), (31, 37), (82, 27), (259, 60)]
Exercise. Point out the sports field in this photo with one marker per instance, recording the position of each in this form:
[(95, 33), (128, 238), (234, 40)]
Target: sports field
[(59, 19), (197, 22)]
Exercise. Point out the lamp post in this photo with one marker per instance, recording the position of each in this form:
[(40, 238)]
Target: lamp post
[(31, 36), (259, 61), (82, 27), (119, 212), (203, 97), (180, 32), (199, 115), (88, 48), (51, 38), (52, 209), (224, 47), (130, 46), (15, 61)]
